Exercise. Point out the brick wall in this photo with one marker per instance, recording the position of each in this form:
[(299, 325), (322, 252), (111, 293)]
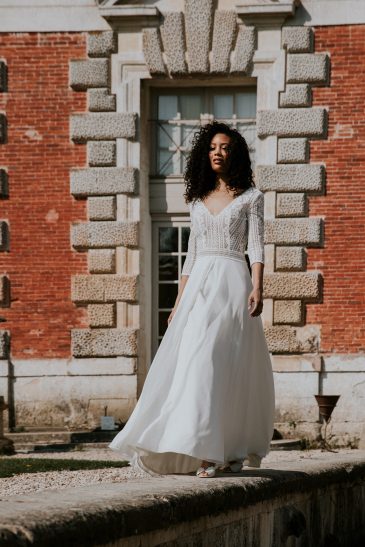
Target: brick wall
[(342, 260), (38, 156)]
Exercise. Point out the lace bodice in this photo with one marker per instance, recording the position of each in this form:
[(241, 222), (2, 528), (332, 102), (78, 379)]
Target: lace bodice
[(237, 227)]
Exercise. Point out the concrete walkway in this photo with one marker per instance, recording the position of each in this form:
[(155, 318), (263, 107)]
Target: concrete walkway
[(313, 498)]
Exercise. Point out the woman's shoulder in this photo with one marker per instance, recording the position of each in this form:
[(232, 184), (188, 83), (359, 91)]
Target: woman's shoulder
[(253, 194)]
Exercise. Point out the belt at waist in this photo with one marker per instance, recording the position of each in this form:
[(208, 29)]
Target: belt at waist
[(221, 252)]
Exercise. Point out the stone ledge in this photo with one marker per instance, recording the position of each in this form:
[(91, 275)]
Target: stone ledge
[(103, 288), (244, 51), (152, 51), (294, 231), (173, 37), (101, 260), (100, 100), (181, 508), (293, 150), (224, 33), (101, 208), (89, 73), (101, 153), (308, 67), (296, 95), (290, 259), (104, 342), (96, 235), (291, 178), (285, 339), (103, 181), (297, 39), (288, 312), (292, 122), (291, 205), (101, 126), (101, 44), (101, 315), (293, 286)]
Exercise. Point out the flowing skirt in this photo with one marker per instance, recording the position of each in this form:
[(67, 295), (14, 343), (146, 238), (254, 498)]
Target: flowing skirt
[(209, 391)]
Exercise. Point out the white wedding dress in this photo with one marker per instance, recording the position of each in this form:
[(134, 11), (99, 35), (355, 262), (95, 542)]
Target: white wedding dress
[(209, 392)]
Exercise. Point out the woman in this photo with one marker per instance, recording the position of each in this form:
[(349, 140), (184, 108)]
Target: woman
[(208, 399)]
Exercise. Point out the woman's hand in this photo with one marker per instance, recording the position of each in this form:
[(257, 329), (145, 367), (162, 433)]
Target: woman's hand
[(255, 302)]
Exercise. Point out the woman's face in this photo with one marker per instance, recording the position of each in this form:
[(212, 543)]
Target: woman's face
[(219, 152)]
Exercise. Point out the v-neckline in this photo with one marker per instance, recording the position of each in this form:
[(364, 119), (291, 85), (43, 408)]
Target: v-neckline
[(222, 210)]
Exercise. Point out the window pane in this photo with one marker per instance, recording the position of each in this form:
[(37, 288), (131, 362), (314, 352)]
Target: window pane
[(223, 106), (185, 231), (165, 164), (168, 268), (190, 106), (165, 135), (167, 107), (167, 295), (162, 322), (168, 240), (246, 105)]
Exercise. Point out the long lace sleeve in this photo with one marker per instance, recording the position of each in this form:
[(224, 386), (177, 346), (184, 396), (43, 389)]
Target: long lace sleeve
[(255, 244), (191, 254)]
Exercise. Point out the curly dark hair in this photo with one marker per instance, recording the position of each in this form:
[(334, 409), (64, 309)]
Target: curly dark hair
[(199, 177)]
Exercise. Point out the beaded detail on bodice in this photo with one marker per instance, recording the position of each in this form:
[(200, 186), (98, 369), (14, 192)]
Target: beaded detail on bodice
[(237, 227)]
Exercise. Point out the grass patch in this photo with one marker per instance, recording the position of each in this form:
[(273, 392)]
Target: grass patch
[(10, 466)]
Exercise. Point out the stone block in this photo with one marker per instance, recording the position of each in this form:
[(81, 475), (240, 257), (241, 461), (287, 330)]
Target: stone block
[(101, 153), (101, 260), (291, 178), (293, 286), (4, 236), (296, 95), (3, 133), (4, 344), (297, 39), (286, 339), (103, 288), (3, 77), (291, 205), (293, 150), (290, 259), (103, 342), (4, 186), (101, 208), (101, 44), (292, 122), (152, 51), (198, 25), (173, 38), (101, 315), (224, 34), (102, 126), (89, 73), (244, 50), (308, 67), (99, 100), (302, 231), (4, 291), (94, 235), (288, 312), (103, 181)]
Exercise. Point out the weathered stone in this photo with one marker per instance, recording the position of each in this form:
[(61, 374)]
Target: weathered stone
[(4, 291), (291, 205), (297, 39), (244, 50), (292, 122), (4, 236), (308, 67), (4, 187), (101, 208), (103, 342), (104, 234), (293, 286), (304, 231), (89, 73), (101, 153), (288, 312), (224, 34), (198, 25), (152, 51), (2, 128), (103, 181), (285, 339), (101, 126), (101, 260), (103, 288), (101, 315), (290, 259), (101, 44), (296, 95), (293, 150), (3, 77), (4, 344), (99, 100), (290, 178), (172, 34)]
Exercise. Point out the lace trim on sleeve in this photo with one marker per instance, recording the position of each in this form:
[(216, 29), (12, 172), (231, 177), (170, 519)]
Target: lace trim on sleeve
[(255, 244)]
